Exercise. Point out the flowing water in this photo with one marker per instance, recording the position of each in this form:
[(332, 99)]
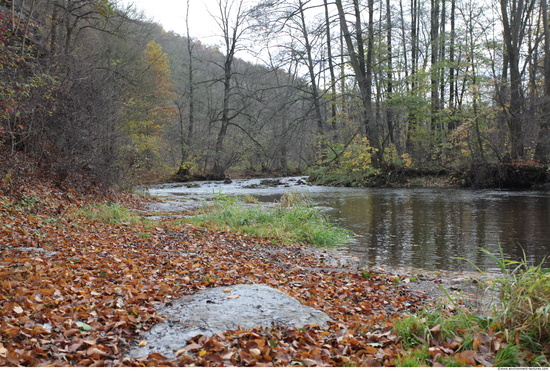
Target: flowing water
[(413, 227)]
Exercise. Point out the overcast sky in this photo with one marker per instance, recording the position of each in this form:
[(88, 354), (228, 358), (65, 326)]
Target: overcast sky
[(171, 15)]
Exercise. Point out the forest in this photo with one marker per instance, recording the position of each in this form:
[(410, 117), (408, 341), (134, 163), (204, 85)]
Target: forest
[(95, 98), (343, 89)]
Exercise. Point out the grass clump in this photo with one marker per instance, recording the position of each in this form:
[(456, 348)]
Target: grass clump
[(414, 358), (439, 325), (515, 334), (292, 220), (509, 356), (366, 274), (23, 203), (524, 299), (109, 212)]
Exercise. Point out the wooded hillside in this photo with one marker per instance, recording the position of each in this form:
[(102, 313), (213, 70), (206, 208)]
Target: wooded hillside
[(350, 88)]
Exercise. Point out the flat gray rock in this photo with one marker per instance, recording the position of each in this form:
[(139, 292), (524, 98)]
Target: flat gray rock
[(221, 309)]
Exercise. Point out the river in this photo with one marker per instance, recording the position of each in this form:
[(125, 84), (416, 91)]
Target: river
[(424, 228)]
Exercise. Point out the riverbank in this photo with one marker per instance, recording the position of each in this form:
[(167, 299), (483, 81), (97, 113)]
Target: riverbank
[(77, 290), (513, 175), (82, 278), (525, 174), (410, 226)]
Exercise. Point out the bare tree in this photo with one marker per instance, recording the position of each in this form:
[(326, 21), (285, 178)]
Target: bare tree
[(361, 63), (311, 67), (389, 72), (299, 43), (515, 17), (434, 57), (542, 152), (331, 68), (231, 20), (187, 135)]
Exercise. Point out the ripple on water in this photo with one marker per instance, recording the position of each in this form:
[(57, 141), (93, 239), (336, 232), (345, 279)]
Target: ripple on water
[(410, 227)]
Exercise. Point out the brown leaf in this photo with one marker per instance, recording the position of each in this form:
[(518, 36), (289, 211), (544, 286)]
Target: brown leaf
[(436, 329), (193, 346), (486, 361), (180, 352), (46, 291), (17, 309), (255, 352), (95, 351), (227, 355), (69, 333), (496, 344), (75, 346), (466, 357), (157, 356), (309, 362)]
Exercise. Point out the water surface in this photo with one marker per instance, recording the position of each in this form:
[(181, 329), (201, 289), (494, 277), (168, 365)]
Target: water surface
[(418, 227)]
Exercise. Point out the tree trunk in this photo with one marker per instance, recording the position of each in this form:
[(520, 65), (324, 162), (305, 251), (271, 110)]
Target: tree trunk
[(231, 35), (332, 102), (363, 73), (452, 72), (311, 71), (542, 151), (415, 24), (514, 21), (404, 43), (434, 70), (389, 74), (219, 169), (187, 140)]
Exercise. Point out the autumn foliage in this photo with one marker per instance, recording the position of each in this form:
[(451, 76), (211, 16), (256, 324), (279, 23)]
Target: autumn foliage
[(78, 292), (78, 289)]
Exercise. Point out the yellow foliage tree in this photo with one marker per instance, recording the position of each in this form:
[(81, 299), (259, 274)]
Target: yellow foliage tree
[(149, 110), (358, 156)]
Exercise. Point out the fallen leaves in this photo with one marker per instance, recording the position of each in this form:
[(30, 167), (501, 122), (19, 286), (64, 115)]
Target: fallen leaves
[(312, 346), (17, 309), (80, 292)]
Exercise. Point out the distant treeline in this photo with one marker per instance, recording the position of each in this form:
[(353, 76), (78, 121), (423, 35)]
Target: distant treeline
[(347, 87)]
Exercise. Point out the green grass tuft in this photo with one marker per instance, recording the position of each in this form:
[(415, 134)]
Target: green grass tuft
[(509, 356), (524, 297), (441, 324), (520, 318), (292, 220), (366, 274), (414, 358), (109, 213)]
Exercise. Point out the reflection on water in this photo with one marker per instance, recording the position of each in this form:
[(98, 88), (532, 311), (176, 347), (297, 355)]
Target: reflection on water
[(421, 228), (427, 228)]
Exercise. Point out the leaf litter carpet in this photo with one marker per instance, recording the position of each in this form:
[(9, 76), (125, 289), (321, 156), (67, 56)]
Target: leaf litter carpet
[(81, 293)]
